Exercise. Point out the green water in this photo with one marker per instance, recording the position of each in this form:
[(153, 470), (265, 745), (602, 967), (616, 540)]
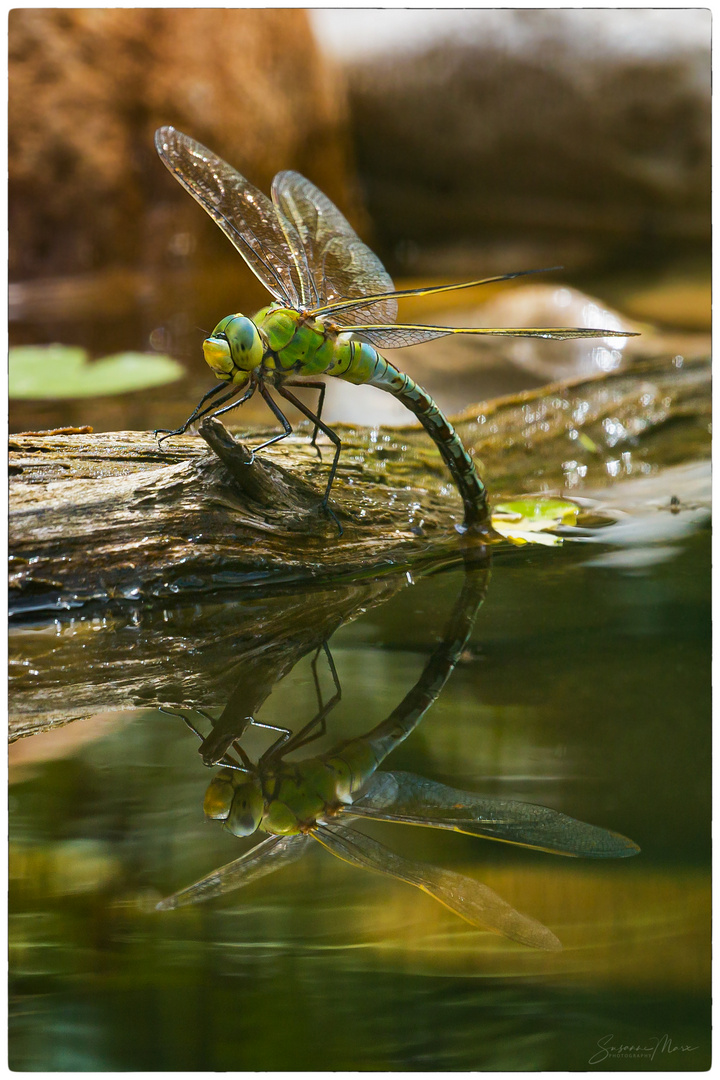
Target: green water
[(585, 687)]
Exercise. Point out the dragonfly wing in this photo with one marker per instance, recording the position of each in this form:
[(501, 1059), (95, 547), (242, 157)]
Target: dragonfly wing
[(340, 264), (266, 858), (470, 899), (398, 335), (269, 245), (338, 307), (413, 800)]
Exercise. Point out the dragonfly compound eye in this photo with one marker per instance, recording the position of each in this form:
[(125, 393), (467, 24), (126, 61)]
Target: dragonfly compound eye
[(246, 811), (246, 346), (219, 796), (217, 355)]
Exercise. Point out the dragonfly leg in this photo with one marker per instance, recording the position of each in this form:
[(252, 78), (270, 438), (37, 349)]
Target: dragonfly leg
[(233, 405), (322, 387), (287, 429), (285, 734), (226, 759), (211, 393), (335, 439), (241, 753), (308, 733), (168, 711), (219, 754), (338, 689), (196, 413)]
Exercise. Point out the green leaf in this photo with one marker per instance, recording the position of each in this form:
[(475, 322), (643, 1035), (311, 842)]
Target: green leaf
[(525, 520), (47, 372), (540, 512)]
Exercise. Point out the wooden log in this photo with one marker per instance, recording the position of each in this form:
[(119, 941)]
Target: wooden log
[(102, 517)]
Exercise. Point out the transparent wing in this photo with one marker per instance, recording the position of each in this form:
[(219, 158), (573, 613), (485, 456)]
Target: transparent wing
[(397, 335), (270, 246), (340, 307), (340, 264), (266, 858), (470, 899), (413, 800)]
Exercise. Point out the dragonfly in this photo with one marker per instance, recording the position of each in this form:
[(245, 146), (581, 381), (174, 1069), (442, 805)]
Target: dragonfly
[(334, 305), (315, 799)]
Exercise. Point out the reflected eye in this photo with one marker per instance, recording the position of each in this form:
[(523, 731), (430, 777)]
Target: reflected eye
[(218, 798), (246, 811)]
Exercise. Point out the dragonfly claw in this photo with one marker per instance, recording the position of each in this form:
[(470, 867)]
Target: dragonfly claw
[(167, 433)]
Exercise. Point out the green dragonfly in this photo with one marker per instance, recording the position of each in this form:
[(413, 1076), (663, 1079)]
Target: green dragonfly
[(312, 799), (334, 305)]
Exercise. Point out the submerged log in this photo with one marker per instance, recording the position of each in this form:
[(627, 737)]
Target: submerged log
[(116, 517)]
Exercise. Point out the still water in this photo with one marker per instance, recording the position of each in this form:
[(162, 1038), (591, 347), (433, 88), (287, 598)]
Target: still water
[(584, 687)]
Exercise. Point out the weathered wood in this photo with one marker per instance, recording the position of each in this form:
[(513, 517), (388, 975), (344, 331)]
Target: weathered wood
[(187, 653), (115, 517)]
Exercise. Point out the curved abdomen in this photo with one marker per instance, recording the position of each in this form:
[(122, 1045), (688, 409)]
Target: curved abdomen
[(360, 364)]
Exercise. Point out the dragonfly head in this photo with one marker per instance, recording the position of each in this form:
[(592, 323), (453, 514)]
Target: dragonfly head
[(240, 806), (234, 347)]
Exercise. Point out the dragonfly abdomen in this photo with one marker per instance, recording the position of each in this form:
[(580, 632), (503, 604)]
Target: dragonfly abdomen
[(367, 366)]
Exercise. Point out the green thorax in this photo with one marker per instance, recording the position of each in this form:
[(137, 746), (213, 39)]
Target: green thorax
[(294, 344), (297, 795)]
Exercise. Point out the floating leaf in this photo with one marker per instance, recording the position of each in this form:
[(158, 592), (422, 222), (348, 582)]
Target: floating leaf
[(526, 520), (46, 372)]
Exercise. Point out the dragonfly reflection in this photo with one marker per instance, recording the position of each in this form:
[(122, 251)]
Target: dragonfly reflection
[(314, 799)]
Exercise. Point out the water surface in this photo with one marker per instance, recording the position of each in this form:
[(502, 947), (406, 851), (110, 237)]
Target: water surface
[(584, 688)]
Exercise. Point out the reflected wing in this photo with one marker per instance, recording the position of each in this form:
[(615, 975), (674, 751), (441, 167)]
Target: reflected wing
[(413, 800), (269, 245), (397, 335), (469, 899), (266, 858), (340, 264)]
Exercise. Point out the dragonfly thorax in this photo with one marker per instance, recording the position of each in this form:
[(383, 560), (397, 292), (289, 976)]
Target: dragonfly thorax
[(296, 342)]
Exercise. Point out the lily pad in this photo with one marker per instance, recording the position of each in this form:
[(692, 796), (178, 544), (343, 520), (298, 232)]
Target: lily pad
[(47, 372)]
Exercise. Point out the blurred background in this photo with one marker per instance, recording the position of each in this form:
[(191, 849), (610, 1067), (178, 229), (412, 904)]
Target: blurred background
[(459, 144)]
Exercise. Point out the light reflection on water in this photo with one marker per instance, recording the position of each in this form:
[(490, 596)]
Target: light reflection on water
[(577, 682)]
